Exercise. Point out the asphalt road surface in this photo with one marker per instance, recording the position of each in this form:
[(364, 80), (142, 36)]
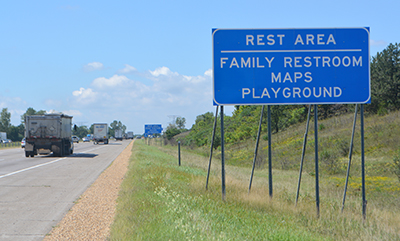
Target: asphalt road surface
[(36, 193)]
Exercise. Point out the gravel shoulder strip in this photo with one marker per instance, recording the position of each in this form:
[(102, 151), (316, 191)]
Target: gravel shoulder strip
[(91, 217)]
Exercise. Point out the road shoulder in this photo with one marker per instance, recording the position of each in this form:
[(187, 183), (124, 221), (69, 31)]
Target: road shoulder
[(92, 215)]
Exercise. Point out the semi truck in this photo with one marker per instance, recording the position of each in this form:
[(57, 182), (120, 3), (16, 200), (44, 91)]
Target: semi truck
[(129, 135), (118, 135), (48, 133), (100, 131)]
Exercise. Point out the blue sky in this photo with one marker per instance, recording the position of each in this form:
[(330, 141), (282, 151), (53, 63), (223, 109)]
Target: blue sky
[(142, 62)]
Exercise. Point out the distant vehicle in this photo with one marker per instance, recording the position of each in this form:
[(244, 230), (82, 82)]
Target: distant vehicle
[(23, 143), (100, 133), (51, 132), (5, 141), (129, 135), (75, 139), (3, 136), (118, 135), (86, 139)]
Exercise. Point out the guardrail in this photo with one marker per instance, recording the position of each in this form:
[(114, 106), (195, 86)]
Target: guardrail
[(11, 144)]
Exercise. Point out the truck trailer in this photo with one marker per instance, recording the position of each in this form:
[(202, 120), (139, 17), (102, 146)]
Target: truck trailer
[(129, 135), (48, 133), (3, 136), (100, 133), (118, 135)]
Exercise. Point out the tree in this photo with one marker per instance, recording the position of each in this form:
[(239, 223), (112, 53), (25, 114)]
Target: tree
[(385, 80), (171, 131), (80, 131), (180, 123), (31, 111), (5, 120), (16, 133), (201, 130), (116, 125)]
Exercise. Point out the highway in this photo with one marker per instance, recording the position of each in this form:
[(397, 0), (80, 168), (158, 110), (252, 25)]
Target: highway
[(36, 193)]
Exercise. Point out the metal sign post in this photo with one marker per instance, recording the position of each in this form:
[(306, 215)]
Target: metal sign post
[(303, 152), (316, 158), (222, 154), (256, 148), (350, 156), (179, 153), (269, 151), (212, 145), (364, 201)]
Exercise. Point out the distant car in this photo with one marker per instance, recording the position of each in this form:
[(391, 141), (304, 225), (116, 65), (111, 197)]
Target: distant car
[(5, 141), (86, 139), (23, 143), (75, 139)]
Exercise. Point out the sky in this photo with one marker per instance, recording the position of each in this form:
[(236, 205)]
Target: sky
[(146, 62)]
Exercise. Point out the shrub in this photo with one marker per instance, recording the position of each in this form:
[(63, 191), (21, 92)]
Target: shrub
[(330, 161), (396, 162)]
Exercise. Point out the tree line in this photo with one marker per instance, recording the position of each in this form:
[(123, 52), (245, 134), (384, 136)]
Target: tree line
[(17, 133)]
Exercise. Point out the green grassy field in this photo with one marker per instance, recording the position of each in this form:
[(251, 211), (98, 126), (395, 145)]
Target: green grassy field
[(160, 200)]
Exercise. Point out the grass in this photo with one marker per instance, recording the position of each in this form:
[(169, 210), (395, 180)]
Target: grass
[(160, 200)]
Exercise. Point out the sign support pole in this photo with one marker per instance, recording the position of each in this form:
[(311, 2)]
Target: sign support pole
[(364, 201), (212, 145), (316, 158), (256, 148), (222, 154), (179, 153), (269, 151), (350, 155), (303, 153)]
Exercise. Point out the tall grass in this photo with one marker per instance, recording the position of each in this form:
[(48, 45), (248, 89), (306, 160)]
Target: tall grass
[(160, 200)]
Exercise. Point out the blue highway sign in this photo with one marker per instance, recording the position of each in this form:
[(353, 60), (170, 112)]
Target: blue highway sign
[(291, 66), (153, 129)]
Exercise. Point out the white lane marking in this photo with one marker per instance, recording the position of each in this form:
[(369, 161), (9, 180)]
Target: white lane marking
[(92, 149), (30, 168), (43, 164)]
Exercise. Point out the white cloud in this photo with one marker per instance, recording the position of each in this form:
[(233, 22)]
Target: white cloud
[(208, 73), (115, 80), (93, 66), (74, 113), (53, 112), (378, 42), (161, 92), (162, 71), (128, 69), (84, 95)]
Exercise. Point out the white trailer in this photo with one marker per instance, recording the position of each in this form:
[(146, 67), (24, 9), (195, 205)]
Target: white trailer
[(129, 135), (118, 135), (3, 136), (100, 133)]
